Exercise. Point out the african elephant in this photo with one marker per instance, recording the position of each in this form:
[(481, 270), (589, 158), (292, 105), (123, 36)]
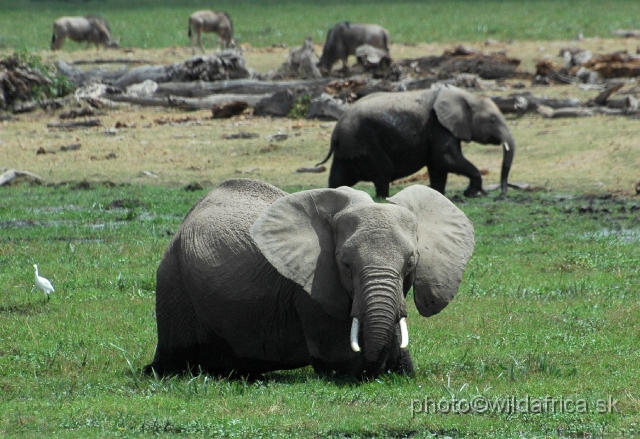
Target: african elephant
[(386, 136), (257, 280)]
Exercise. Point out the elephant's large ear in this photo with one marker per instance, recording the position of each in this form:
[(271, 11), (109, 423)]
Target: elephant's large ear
[(445, 244), (295, 235), (454, 112)]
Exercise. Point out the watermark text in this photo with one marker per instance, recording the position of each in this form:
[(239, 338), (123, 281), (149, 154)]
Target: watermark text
[(512, 404)]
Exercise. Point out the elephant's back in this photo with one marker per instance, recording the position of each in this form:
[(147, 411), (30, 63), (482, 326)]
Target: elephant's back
[(216, 229), (242, 196)]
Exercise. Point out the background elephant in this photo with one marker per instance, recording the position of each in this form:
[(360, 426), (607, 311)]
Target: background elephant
[(387, 136), (257, 280)]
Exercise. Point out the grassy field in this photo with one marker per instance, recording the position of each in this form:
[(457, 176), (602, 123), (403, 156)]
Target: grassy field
[(152, 24), (548, 308)]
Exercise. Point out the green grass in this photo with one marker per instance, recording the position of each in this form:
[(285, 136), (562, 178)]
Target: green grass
[(151, 24), (548, 307)]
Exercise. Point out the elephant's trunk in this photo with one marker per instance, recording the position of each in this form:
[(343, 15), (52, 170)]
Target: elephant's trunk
[(509, 148), (381, 297)]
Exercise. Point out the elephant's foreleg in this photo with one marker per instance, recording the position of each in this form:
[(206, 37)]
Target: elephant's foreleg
[(466, 168), (438, 179), (455, 162)]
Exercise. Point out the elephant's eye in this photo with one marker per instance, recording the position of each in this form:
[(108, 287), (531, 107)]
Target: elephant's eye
[(493, 119)]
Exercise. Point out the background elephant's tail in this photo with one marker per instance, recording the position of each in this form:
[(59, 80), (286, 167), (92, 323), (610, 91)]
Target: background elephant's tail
[(334, 141), (327, 157)]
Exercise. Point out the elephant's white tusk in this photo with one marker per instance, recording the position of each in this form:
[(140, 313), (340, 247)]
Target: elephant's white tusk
[(505, 145), (404, 333), (355, 327)]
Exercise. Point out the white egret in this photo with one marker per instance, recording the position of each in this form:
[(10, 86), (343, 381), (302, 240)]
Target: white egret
[(43, 284)]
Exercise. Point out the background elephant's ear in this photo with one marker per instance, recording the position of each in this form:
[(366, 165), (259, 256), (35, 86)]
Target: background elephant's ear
[(454, 112), (445, 244), (295, 235)]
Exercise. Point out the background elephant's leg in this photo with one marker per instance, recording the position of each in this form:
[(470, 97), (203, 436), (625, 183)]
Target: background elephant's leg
[(437, 178), (446, 156), (462, 166), (382, 170), (341, 173)]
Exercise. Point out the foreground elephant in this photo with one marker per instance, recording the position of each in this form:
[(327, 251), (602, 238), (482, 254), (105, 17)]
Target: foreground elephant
[(387, 136), (257, 280)]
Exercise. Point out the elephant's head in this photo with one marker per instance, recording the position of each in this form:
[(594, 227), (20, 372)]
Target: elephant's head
[(358, 259), (478, 118)]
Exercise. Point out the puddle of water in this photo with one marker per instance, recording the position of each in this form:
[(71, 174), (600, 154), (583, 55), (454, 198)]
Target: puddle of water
[(624, 235)]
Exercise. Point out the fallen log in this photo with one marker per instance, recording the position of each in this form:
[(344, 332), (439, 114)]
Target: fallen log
[(511, 104), (301, 63), (551, 113), (72, 147), (279, 104), (464, 60), (24, 107), (190, 104), (76, 124), (228, 64), (75, 113), (238, 86), (603, 97), (228, 109), (241, 135), (80, 77), (626, 33), (312, 169), (112, 61), (326, 107), (12, 174)]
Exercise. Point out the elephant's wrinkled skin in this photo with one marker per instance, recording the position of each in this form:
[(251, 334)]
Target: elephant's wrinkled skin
[(387, 136), (257, 280)]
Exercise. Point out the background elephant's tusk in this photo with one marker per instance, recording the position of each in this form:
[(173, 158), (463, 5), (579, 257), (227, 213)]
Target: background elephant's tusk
[(505, 145), (404, 333), (355, 327)]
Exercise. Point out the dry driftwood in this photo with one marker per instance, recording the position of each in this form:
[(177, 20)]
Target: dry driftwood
[(312, 169), (17, 82), (372, 57), (603, 97), (626, 33), (76, 124), (228, 64), (111, 61), (186, 103), (76, 112), (463, 60), (72, 147), (10, 175), (279, 104), (512, 104), (238, 86), (550, 113), (228, 109), (301, 63), (579, 111), (326, 107), (241, 135), (80, 77)]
